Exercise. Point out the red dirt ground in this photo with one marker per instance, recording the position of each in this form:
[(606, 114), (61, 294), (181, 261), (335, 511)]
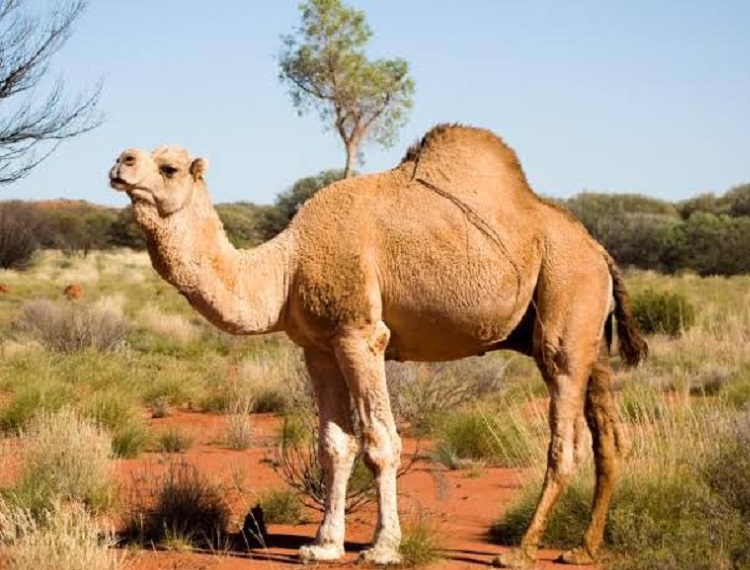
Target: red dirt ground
[(461, 507)]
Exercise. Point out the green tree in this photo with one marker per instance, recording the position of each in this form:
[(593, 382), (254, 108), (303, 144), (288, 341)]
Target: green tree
[(324, 65), (289, 202), (243, 222), (706, 202), (18, 243), (737, 200), (124, 232)]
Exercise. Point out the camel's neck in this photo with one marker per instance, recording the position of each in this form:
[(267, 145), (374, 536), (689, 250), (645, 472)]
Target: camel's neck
[(239, 291)]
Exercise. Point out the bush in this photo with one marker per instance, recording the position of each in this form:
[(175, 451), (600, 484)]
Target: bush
[(60, 537), (281, 506), (71, 328), (180, 505), (299, 467), (116, 412), (18, 244), (130, 440), (239, 431), (682, 502), (420, 544), (66, 458), (565, 527), (727, 469), (663, 312), (422, 392), (173, 441), (504, 439), (32, 399)]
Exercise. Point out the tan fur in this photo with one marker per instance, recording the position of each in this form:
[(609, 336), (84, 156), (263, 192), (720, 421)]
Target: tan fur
[(450, 254)]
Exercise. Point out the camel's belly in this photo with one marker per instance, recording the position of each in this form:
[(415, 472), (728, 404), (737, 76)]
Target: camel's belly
[(447, 331)]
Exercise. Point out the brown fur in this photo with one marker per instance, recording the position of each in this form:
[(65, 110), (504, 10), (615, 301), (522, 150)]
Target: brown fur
[(450, 254)]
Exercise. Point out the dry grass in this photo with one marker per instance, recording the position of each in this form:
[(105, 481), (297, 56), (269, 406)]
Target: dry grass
[(65, 458), (71, 328), (421, 542), (61, 537), (175, 326), (681, 502)]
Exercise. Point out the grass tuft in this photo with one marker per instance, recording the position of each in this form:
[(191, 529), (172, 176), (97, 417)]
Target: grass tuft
[(282, 506), (66, 458), (420, 544), (179, 506), (59, 537), (173, 440)]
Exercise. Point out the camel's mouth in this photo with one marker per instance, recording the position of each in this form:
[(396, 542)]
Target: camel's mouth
[(119, 184)]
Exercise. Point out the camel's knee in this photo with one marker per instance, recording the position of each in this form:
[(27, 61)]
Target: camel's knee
[(562, 460), (382, 448), (336, 446)]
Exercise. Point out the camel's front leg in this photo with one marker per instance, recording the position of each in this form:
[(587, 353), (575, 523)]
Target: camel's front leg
[(360, 353), (337, 449)]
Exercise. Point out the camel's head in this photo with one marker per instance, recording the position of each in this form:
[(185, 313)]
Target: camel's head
[(166, 178)]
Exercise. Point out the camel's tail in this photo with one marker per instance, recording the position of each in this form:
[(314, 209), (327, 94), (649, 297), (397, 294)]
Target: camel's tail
[(632, 348)]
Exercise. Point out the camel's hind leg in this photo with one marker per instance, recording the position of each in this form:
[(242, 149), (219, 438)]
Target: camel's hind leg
[(360, 353), (337, 449), (610, 446), (566, 340)]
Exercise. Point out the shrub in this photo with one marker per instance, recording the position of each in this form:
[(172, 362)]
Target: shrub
[(180, 505), (565, 527), (116, 412), (17, 242), (727, 467), (420, 544), (66, 458), (422, 392), (71, 328), (59, 537), (281, 506), (295, 431), (641, 403), (173, 441), (299, 467), (737, 393), (504, 439), (32, 399), (677, 505), (663, 312), (239, 431), (130, 440)]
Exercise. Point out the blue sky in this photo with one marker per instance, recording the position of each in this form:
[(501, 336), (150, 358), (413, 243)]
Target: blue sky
[(618, 96)]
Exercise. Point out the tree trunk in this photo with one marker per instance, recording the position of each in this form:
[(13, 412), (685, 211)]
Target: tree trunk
[(351, 158)]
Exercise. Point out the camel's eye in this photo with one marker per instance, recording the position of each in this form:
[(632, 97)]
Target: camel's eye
[(167, 170)]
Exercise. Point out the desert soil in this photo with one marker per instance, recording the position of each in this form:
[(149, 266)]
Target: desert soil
[(460, 506)]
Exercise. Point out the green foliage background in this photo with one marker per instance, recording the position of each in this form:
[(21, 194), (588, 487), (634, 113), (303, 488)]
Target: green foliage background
[(708, 234)]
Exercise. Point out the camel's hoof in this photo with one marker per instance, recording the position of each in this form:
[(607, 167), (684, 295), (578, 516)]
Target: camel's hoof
[(380, 556), (320, 552), (578, 556), (515, 558)]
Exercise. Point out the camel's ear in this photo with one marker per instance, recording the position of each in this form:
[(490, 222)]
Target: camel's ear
[(198, 168)]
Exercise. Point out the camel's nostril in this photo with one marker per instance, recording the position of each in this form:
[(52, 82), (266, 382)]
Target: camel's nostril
[(128, 160)]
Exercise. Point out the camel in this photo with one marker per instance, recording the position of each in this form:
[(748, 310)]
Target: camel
[(449, 254)]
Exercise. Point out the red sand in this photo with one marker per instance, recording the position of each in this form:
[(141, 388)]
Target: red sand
[(461, 507)]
